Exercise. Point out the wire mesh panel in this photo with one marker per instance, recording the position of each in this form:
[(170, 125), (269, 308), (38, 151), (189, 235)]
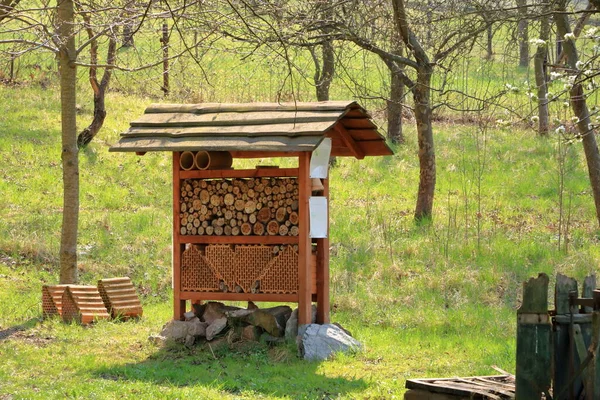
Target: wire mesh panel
[(222, 260), (250, 263), (197, 274), (281, 275)]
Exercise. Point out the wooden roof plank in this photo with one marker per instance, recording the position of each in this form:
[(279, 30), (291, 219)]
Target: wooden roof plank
[(311, 128), (356, 150), (238, 118), (244, 107), (231, 143)]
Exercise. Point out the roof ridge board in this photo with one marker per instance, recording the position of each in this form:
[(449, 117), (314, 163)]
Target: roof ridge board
[(151, 133), (333, 117), (203, 108)]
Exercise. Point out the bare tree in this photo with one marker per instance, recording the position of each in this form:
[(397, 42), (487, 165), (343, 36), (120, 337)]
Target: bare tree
[(541, 76), (578, 101), (65, 18), (34, 28), (523, 33)]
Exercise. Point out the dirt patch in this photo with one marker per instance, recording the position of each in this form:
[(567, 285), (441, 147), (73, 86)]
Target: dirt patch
[(20, 333)]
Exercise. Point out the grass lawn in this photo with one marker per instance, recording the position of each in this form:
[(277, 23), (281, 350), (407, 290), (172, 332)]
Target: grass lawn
[(430, 300)]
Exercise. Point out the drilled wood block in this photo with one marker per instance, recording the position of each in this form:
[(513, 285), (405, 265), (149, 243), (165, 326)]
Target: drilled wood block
[(120, 297), (52, 300), (83, 304)]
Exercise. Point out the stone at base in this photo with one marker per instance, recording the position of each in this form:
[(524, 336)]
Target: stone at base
[(216, 327), (189, 341), (291, 326), (176, 330), (157, 339), (319, 342), (251, 333)]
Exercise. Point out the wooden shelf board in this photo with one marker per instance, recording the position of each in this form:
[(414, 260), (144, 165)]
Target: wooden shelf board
[(239, 239), (239, 173), (285, 298)]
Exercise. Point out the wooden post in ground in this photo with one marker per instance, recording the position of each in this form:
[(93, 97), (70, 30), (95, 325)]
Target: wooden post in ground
[(304, 243), (594, 367), (178, 305), (533, 371), (323, 268)]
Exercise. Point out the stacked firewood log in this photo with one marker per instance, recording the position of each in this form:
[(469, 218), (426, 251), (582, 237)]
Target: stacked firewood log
[(232, 207)]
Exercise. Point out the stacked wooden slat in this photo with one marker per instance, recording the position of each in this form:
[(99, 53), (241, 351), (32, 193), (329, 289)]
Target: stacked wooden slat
[(120, 298), (233, 207), (83, 304), (52, 300)]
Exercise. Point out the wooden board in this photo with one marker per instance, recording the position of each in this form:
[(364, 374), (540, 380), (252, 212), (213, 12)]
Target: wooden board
[(231, 143), (496, 387), (246, 107), (238, 118)]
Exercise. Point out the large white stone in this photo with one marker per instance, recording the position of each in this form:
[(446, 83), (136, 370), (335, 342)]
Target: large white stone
[(319, 342)]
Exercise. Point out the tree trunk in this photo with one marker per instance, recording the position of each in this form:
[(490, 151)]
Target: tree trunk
[(394, 109), (70, 161), (424, 208), (580, 109), (490, 43), (323, 83), (541, 81), (523, 34)]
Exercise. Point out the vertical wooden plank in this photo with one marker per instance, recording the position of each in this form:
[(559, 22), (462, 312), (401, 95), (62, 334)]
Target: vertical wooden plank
[(564, 285), (178, 304), (594, 368), (589, 284), (533, 372), (304, 244), (323, 268)]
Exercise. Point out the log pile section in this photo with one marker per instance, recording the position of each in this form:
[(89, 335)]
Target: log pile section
[(234, 207), (239, 207)]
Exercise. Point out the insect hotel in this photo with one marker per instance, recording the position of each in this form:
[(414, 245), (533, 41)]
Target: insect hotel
[(253, 234)]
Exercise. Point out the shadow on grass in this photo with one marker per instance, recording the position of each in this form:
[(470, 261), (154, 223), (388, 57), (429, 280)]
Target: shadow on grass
[(240, 369), (14, 330)]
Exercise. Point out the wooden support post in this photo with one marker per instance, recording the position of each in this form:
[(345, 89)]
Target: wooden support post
[(323, 268), (594, 368), (304, 243), (179, 305), (533, 371)]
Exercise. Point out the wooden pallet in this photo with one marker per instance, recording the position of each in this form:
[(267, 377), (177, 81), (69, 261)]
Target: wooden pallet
[(496, 387), (120, 298), (83, 304)]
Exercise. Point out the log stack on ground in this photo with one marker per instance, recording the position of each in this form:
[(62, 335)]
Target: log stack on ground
[(233, 207)]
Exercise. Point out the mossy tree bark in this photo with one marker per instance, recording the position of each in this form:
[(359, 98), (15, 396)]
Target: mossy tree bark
[(70, 160), (541, 81)]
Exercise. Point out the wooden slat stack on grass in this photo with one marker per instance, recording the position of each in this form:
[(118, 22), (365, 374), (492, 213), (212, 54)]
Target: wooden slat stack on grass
[(83, 304), (120, 298)]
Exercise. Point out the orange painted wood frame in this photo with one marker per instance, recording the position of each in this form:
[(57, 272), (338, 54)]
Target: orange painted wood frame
[(179, 305), (305, 295), (304, 242), (323, 268)]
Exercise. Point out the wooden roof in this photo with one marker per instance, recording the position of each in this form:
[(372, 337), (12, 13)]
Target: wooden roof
[(270, 127)]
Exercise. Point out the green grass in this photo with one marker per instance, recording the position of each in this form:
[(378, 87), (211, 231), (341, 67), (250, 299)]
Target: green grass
[(426, 300)]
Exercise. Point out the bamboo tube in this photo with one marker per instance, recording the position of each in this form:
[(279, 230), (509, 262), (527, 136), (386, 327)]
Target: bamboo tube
[(186, 160), (213, 159)]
